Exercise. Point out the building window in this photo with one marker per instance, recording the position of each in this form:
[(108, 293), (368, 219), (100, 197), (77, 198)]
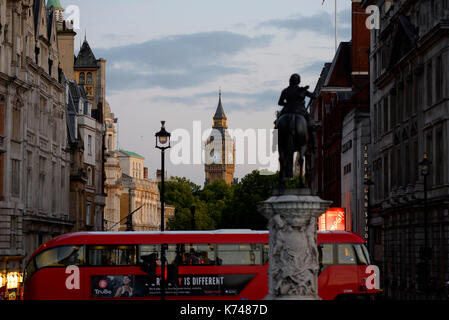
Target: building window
[(386, 113), (375, 122), (415, 161), (439, 157), (407, 157), (2, 117), (400, 107), (429, 84), (347, 146), (408, 100), (29, 177), (417, 92), (394, 169), (53, 186), (110, 142), (386, 176), (42, 163), (15, 178), (379, 119), (439, 78), (88, 215), (62, 188), (1, 174), (429, 148), (82, 78), (16, 124), (399, 168), (393, 111), (89, 78), (89, 176), (89, 145), (347, 169)]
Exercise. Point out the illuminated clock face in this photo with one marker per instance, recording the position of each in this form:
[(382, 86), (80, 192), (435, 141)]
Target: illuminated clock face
[(214, 156)]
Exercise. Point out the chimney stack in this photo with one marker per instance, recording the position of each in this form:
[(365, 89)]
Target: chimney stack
[(360, 41), (159, 175)]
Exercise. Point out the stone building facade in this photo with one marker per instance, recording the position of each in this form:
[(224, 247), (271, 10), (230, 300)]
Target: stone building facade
[(409, 60), (35, 162), (90, 74), (114, 172), (139, 192)]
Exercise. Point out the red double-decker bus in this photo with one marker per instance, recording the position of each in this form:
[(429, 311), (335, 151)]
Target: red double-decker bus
[(222, 264)]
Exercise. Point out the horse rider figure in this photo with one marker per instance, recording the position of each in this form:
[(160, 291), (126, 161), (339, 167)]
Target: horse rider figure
[(293, 101)]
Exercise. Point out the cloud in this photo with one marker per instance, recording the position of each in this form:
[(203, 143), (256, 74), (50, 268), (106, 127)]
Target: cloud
[(232, 101), (321, 23), (177, 61), (313, 68)]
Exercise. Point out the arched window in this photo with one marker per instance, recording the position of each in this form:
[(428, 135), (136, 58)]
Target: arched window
[(89, 176), (82, 78), (89, 78)]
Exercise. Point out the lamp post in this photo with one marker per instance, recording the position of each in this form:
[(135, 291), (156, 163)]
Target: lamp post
[(424, 166), (192, 212), (163, 143)]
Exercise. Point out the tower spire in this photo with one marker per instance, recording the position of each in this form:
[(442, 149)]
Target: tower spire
[(220, 120)]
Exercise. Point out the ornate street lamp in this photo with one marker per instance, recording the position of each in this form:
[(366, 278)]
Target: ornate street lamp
[(163, 143), (424, 167)]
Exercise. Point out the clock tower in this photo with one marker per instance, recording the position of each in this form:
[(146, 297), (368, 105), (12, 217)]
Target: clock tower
[(220, 149)]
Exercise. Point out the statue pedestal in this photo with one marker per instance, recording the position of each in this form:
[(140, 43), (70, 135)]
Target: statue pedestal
[(293, 254)]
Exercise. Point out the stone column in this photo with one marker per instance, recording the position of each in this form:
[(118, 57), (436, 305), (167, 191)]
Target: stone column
[(293, 254)]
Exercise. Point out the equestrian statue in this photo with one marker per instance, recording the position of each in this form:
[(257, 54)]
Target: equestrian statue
[(295, 129)]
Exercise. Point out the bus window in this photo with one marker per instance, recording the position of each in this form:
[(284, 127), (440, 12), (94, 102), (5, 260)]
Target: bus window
[(147, 249), (112, 255), (326, 255), (170, 254), (60, 256), (197, 254), (362, 254), (30, 269), (265, 255), (346, 254), (240, 254)]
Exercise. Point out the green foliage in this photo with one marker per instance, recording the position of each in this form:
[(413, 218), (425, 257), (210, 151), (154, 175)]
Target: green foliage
[(219, 205), (242, 211)]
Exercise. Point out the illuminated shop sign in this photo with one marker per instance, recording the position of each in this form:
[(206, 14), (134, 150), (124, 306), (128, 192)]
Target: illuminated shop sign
[(332, 220)]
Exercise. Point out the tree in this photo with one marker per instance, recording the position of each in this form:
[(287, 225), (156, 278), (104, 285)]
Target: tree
[(216, 197), (183, 194), (222, 206), (242, 211)]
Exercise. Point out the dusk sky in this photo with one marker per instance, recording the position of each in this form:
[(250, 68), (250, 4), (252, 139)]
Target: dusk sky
[(166, 60)]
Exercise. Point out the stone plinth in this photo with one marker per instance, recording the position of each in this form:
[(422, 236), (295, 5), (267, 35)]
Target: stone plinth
[(292, 222)]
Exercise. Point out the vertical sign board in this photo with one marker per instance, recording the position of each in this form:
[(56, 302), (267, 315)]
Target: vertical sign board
[(332, 220), (366, 195)]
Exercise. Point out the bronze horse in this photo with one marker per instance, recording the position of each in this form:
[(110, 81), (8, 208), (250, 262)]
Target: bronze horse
[(294, 129), (293, 136)]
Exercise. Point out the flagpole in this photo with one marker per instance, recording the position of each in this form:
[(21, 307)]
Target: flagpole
[(336, 28)]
